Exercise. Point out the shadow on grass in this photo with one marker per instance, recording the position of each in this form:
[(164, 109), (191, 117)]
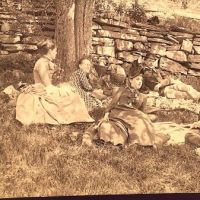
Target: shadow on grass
[(42, 160)]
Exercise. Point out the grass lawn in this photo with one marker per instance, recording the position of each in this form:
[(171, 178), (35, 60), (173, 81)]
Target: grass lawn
[(45, 161)]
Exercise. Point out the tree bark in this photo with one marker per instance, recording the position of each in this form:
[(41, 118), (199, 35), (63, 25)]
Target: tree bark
[(73, 32)]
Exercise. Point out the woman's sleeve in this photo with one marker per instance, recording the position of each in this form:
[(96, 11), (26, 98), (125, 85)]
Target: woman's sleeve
[(115, 98), (179, 86), (165, 82), (84, 82), (44, 73), (141, 101)]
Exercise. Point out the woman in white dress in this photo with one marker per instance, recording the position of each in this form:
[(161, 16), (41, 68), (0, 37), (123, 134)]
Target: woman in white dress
[(43, 102)]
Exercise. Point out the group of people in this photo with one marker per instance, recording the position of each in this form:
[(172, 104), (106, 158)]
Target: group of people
[(124, 121)]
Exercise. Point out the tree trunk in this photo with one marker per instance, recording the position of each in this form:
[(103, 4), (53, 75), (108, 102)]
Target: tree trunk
[(73, 32)]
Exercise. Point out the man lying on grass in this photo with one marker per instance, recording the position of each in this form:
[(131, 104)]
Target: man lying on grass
[(169, 87)]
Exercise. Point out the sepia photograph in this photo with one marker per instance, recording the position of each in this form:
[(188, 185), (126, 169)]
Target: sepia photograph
[(99, 98)]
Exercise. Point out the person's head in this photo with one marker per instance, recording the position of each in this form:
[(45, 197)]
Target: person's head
[(85, 64), (135, 77), (151, 77), (48, 47), (117, 74), (136, 82)]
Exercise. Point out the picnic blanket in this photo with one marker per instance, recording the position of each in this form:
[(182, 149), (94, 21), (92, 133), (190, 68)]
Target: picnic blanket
[(177, 132)]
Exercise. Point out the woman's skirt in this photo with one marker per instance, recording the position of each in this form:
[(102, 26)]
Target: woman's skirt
[(61, 106), (130, 126)]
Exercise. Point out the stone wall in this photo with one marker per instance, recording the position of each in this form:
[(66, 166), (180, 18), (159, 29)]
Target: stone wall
[(175, 51), (22, 26), (115, 42)]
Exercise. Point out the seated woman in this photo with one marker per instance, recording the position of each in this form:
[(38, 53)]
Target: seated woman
[(43, 102), (80, 81), (123, 121)]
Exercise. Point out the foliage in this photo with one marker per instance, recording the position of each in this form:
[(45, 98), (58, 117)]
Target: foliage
[(185, 22), (184, 3), (134, 12), (137, 13), (16, 67), (103, 7), (21, 61), (28, 12)]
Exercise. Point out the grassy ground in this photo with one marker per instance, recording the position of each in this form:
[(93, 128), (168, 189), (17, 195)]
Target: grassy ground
[(171, 12), (47, 160), (167, 8)]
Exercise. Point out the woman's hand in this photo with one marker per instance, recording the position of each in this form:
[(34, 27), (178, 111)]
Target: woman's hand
[(156, 88), (106, 117), (138, 97)]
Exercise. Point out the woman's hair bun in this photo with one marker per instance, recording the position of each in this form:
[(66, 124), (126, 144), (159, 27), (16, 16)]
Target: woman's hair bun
[(46, 44)]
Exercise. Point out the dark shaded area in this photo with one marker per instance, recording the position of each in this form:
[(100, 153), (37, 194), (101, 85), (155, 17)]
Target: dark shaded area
[(178, 116)]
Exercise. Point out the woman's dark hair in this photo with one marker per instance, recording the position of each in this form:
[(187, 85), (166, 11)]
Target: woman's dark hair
[(45, 45), (150, 78)]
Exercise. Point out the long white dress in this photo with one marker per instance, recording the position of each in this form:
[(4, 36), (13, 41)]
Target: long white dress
[(50, 105)]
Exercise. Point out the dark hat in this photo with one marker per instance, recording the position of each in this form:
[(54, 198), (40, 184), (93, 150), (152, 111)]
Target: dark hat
[(135, 69)]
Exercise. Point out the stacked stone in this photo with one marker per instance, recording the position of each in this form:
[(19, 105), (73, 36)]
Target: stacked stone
[(115, 41), (21, 28), (119, 43)]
